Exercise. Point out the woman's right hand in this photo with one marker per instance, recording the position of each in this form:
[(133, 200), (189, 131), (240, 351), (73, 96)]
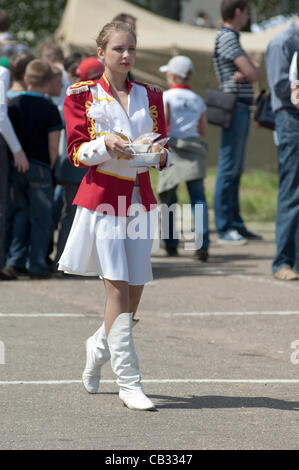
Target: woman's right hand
[(117, 146)]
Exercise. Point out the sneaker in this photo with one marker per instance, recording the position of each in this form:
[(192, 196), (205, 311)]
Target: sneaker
[(172, 251), (250, 235), (201, 255), (286, 274), (232, 237)]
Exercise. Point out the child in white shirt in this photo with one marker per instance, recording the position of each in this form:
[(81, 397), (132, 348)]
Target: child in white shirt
[(185, 113)]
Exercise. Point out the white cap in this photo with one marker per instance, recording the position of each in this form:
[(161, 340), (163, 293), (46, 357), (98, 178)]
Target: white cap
[(179, 65)]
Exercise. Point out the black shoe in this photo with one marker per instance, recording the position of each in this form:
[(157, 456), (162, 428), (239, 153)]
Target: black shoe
[(15, 272), (4, 276), (250, 235), (201, 255), (38, 277), (172, 251)]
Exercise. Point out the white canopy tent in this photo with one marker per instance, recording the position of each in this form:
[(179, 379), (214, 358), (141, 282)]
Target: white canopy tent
[(82, 21)]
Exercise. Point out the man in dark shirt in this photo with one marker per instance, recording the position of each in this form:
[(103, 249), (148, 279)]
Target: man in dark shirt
[(37, 124)]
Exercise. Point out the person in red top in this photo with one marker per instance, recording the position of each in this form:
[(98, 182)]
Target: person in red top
[(101, 118), (90, 68)]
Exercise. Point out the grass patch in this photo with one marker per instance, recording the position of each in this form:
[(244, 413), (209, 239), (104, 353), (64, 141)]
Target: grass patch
[(258, 194)]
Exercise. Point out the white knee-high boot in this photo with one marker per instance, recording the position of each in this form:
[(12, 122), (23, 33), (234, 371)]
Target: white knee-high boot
[(97, 354), (124, 364)]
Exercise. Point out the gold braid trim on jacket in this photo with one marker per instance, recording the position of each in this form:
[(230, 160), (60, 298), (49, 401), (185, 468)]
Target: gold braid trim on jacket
[(91, 124), (154, 115)]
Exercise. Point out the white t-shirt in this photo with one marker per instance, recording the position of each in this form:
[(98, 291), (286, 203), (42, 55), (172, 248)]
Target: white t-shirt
[(6, 129), (293, 69), (186, 108)]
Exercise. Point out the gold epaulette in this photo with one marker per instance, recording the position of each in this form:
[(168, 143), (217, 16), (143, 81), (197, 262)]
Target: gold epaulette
[(150, 87), (154, 88), (80, 87)]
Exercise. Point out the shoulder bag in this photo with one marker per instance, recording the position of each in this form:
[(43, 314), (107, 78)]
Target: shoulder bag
[(220, 105), (264, 115)]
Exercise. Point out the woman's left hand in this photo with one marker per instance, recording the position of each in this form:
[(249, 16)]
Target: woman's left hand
[(163, 158)]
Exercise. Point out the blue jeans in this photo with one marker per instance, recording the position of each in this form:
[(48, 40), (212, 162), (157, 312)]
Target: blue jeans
[(287, 215), (69, 191), (57, 204), (33, 218), (230, 169), (197, 196), (3, 199)]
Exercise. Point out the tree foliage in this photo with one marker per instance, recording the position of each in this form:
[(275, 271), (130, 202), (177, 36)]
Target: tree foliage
[(267, 8), (33, 20), (264, 8), (170, 9)]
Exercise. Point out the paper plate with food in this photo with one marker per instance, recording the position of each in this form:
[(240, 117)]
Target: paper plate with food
[(146, 151)]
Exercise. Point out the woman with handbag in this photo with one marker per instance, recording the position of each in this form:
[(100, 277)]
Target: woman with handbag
[(101, 118)]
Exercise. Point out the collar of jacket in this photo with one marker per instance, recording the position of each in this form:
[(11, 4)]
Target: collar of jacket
[(104, 82)]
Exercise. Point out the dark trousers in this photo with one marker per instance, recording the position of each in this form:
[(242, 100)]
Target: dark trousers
[(287, 216), (67, 216), (33, 213), (230, 169), (197, 196), (3, 199)]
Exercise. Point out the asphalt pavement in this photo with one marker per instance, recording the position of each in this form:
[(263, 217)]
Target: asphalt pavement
[(218, 347)]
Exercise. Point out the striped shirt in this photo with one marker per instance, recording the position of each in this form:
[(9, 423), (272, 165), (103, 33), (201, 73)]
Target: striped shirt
[(227, 49)]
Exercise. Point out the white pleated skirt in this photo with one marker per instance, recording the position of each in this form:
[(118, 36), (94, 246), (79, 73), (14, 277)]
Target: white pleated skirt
[(115, 248)]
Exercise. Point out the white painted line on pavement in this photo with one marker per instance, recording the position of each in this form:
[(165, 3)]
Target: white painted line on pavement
[(164, 315), (157, 381), (211, 314), (49, 315)]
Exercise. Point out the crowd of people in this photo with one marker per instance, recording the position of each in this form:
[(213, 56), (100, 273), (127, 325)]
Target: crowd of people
[(38, 184)]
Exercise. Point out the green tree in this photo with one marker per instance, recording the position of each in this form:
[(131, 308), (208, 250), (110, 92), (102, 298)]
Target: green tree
[(267, 8), (264, 8), (170, 9), (33, 20)]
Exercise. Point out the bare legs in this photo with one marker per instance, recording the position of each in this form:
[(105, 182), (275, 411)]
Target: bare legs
[(121, 297), (135, 296)]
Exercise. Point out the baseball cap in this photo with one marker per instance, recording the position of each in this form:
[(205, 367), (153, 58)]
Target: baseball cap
[(90, 69), (179, 65)]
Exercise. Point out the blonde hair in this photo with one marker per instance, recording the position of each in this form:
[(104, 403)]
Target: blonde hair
[(113, 27)]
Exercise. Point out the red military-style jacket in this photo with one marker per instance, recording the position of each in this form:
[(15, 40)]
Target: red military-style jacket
[(90, 112)]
